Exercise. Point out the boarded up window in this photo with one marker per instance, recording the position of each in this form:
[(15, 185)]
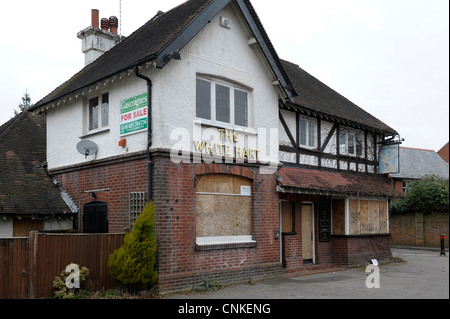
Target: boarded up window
[(23, 226), (367, 217), (338, 217), (383, 215), (354, 217), (224, 206), (364, 217), (287, 217), (374, 220)]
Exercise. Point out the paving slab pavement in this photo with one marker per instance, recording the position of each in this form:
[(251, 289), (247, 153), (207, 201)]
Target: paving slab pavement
[(424, 274)]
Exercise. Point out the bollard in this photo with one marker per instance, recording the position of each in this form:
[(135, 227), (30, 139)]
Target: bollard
[(442, 245)]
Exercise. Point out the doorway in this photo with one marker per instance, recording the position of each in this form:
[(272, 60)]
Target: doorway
[(307, 233), (95, 217), (286, 226)]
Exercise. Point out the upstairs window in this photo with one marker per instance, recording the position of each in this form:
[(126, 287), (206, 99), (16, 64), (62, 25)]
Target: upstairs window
[(99, 112), (350, 143), (223, 103), (308, 133)]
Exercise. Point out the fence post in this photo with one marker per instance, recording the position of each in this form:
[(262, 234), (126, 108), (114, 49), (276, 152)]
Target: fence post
[(32, 262)]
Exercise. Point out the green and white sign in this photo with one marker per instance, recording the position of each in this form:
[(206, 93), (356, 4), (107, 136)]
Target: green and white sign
[(134, 114)]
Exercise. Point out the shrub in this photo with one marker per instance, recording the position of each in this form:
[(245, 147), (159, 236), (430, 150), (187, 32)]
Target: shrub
[(133, 264), (430, 194), (60, 282)]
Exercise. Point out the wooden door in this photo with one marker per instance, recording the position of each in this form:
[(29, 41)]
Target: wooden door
[(307, 232), (95, 217)]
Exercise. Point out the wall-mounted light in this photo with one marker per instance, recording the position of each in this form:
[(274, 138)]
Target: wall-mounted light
[(93, 195)]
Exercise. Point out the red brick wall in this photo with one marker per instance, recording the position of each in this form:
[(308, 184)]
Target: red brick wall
[(120, 175), (359, 250), (444, 153), (418, 229), (181, 265), (292, 244), (398, 185)]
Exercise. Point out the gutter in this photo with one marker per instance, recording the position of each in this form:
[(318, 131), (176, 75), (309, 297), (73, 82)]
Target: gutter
[(149, 130), (39, 105)]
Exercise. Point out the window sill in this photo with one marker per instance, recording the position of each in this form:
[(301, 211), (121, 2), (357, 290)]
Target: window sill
[(289, 233), (223, 243), (93, 133), (227, 126), (225, 246)]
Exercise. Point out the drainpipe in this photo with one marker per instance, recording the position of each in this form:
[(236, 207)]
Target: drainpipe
[(149, 145), (149, 135)]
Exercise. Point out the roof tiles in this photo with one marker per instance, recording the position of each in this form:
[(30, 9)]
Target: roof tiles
[(345, 184)]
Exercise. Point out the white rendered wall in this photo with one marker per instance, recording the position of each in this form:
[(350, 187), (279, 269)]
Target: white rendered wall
[(6, 227), (215, 51)]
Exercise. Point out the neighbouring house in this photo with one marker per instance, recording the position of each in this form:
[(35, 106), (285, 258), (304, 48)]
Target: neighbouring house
[(256, 168), (444, 152), (416, 164), (419, 228), (29, 199)]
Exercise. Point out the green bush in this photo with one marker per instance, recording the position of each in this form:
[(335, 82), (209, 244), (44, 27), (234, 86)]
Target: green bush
[(60, 283), (430, 194), (133, 265)]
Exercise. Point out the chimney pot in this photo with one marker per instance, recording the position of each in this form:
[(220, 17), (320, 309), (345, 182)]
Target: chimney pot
[(113, 24), (95, 18), (105, 24)]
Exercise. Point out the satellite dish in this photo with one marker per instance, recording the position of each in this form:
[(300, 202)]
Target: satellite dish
[(87, 148)]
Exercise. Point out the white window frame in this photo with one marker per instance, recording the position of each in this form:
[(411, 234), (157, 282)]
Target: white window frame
[(233, 88), (309, 131), (101, 126), (345, 151)]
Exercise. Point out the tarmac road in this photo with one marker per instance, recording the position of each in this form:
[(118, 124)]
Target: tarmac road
[(423, 275)]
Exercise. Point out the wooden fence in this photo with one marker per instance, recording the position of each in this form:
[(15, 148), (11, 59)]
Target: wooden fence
[(29, 265)]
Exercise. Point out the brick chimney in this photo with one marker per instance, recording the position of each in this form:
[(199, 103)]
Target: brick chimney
[(96, 40)]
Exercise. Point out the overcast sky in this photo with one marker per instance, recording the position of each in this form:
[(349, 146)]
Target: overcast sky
[(390, 57)]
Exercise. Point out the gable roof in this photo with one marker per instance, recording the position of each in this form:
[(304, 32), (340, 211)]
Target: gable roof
[(25, 187), (444, 152), (158, 39), (418, 163), (317, 97), (167, 33)]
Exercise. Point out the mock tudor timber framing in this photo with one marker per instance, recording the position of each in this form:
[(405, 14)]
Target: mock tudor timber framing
[(319, 152)]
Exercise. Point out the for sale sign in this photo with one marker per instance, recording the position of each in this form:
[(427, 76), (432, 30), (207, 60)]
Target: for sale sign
[(134, 114)]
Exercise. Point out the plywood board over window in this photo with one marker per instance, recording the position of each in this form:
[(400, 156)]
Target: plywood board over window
[(374, 226), (364, 216), (287, 217), (224, 208), (354, 217), (383, 215), (338, 217), (367, 217)]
